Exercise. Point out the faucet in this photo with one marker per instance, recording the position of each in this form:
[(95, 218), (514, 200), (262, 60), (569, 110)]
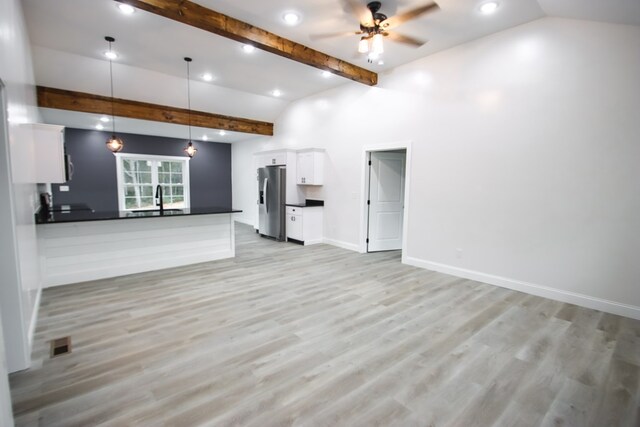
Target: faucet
[(159, 201)]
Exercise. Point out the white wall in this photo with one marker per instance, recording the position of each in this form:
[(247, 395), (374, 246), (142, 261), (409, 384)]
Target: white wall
[(525, 153), (20, 284), (6, 415)]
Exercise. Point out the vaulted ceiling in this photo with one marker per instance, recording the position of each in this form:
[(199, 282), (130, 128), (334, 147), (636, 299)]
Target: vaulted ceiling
[(68, 47)]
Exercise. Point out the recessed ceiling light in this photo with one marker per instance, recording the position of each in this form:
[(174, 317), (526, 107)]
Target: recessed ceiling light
[(276, 93), (222, 133), (111, 55), (104, 119), (207, 77), (248, 48), (291, 18), (127, 9), (99, 126), (205, 138), (488, 8), (381, 62), (326, 74)]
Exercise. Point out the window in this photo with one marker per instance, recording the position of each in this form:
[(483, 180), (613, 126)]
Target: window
[(139, 175)]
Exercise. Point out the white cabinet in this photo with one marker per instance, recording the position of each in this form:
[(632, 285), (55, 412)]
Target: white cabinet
[(310, 170), (272, 158), (50, 161), (304, 224)]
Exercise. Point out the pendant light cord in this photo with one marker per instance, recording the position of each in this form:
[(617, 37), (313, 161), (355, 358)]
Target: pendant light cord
[(189, 96), (113, 116)]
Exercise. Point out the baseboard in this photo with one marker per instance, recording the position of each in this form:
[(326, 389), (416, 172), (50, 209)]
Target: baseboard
[(34, 319), (340, 244), (530, 288), (312, 242)]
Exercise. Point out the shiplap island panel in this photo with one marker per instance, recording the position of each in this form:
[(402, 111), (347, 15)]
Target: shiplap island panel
[(73, 252)]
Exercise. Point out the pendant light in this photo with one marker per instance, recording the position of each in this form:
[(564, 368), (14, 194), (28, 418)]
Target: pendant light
[(114, 144), (190, 149)]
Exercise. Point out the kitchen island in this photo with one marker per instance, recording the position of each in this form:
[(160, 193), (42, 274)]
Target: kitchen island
[(84, 245)]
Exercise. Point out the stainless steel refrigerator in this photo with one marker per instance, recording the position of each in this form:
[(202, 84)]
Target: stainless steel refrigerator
[(271, 201)]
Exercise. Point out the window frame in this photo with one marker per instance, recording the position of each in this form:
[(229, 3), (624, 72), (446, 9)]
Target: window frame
[(120, 157)]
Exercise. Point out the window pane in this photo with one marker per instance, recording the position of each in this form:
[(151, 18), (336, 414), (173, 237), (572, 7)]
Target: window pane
[(146, 191), (143, 166), (130, 203), (166, 191), (146, 202), (176, 178), (178, 190), (164, 178), (176, 167), (164, 167)]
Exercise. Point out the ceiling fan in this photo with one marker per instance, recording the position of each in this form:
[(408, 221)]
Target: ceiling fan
[(374, 26)]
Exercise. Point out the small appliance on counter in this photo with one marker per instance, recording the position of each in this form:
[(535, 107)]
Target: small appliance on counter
[(45, 202)]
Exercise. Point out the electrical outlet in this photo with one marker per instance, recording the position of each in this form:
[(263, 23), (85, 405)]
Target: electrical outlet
[(63, 188)]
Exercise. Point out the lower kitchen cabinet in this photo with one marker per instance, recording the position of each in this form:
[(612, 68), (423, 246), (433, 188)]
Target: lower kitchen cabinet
[(304, 224)]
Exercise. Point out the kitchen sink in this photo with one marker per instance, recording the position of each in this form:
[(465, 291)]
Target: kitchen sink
[(155, 212)]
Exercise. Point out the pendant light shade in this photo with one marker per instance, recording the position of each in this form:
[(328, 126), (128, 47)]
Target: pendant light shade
[(114, 144), (189, 149)]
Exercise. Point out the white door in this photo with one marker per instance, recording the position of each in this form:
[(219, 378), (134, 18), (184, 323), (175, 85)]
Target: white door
[(386, 195)]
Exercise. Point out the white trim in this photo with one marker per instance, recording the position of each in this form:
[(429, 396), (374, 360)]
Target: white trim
[(399, 145), (340, 244), (186, 175), (152, 157), (530, 288), (34, 318), (313, 242)]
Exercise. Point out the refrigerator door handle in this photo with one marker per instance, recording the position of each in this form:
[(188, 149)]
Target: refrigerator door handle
[(264, 191)]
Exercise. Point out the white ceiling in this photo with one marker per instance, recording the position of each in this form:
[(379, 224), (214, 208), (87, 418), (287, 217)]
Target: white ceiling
[(68, 39), (143, 127)]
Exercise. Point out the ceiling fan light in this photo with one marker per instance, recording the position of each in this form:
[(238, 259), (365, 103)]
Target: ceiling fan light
[(377, 45), (363, 45)]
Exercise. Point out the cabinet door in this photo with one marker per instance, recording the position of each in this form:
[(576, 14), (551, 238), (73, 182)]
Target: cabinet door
[(294, 227), (305, 169), (49, 153)]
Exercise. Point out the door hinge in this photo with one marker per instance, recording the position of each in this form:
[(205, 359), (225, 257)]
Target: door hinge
[(367, 240), (369, 162), (368, 202)]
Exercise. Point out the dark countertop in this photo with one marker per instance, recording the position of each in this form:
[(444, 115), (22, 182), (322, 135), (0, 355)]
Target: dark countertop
[(43, 217), (309, 203)]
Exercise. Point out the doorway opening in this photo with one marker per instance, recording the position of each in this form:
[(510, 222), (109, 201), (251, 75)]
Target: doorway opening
[(385, 196)]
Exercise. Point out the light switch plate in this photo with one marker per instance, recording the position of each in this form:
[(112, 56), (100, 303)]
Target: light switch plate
[(63, 188)]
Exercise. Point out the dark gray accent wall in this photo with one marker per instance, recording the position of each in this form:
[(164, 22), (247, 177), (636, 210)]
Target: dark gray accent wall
[(95, 182)]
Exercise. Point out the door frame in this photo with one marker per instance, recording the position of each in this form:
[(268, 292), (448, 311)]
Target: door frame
[(364, 191)]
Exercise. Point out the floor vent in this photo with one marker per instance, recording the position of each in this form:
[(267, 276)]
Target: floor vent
[(60, 346)]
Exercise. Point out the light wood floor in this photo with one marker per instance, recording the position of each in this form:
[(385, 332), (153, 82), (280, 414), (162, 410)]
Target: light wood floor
[(320, 336)]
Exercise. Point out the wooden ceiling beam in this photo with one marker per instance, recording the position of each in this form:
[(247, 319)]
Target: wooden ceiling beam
[(97, 104), (198, 16)]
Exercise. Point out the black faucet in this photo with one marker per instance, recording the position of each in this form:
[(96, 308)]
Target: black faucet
[(159, 201)]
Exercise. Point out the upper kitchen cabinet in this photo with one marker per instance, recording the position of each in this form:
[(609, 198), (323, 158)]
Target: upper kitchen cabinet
[(310, 169), (52, 165), (275, 158)]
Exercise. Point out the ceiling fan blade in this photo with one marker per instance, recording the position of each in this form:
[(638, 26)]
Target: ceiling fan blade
[(406, 40), (394, 21), (323, 36), (360, 11)]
